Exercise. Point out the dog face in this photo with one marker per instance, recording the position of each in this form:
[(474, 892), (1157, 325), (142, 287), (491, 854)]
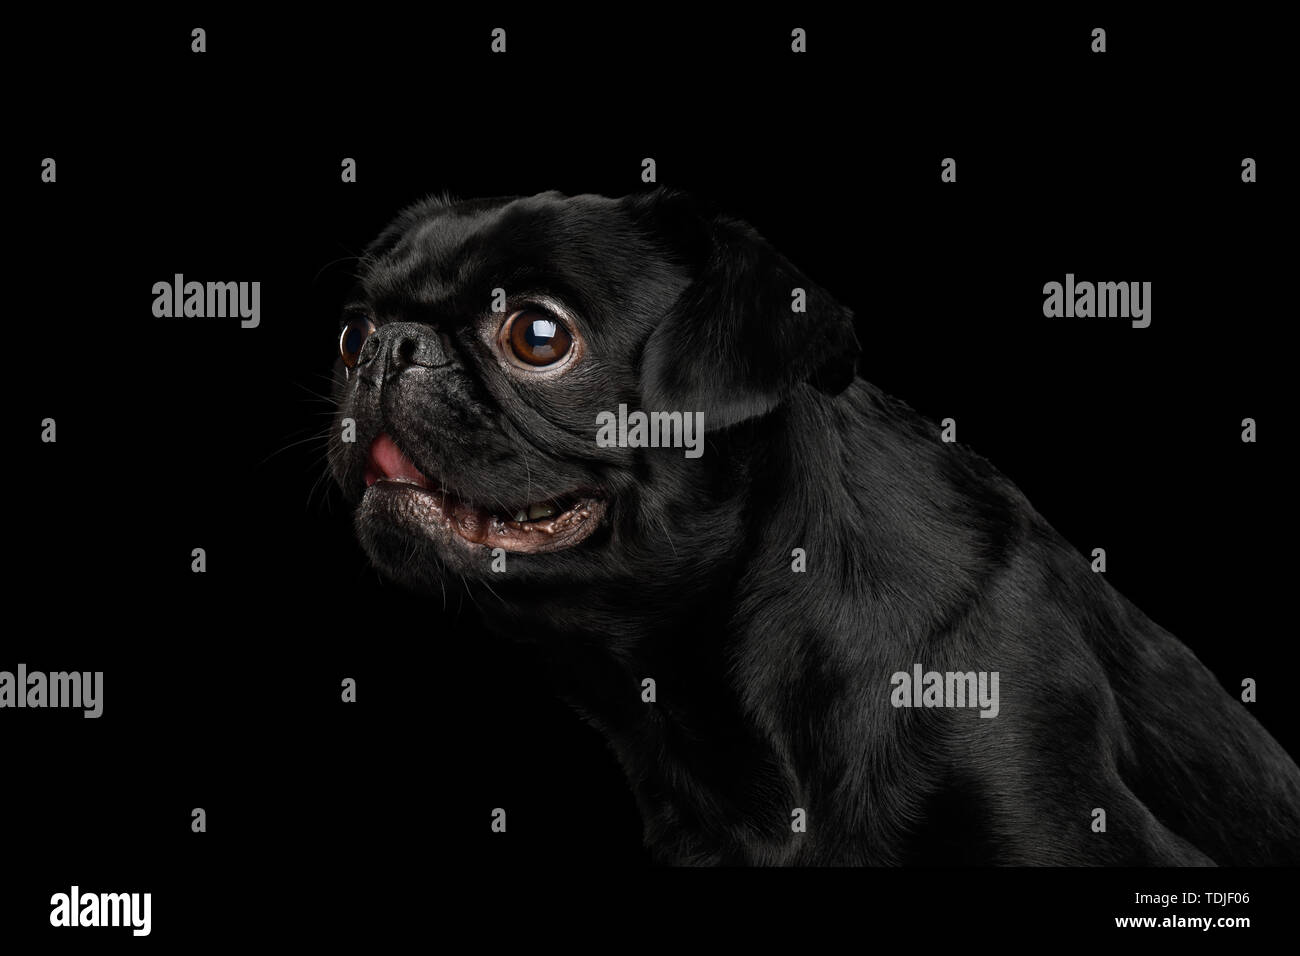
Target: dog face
[(486, 339)]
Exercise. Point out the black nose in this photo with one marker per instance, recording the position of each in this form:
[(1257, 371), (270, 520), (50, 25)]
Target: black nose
[(406, 344), (422, 349)]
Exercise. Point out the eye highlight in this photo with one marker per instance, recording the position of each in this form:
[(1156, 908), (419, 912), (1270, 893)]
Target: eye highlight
[(536, 339), (353, 337)]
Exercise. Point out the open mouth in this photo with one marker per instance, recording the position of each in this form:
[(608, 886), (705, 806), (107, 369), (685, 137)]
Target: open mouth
[(397, 488)]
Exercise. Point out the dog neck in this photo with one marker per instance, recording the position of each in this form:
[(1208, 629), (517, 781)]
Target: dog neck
[(756, 669)]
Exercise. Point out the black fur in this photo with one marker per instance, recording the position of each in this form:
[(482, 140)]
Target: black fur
[(774, 687)]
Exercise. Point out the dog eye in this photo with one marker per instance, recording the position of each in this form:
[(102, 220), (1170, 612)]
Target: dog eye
[(538, 339), (355, 333)]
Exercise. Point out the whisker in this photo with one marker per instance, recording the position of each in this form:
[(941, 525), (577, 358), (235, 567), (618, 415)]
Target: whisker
[(293, 444)]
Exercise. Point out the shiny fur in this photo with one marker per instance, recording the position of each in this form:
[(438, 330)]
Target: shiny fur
[(773, 687)]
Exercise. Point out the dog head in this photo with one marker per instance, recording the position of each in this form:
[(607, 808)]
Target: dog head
[(488, 341)]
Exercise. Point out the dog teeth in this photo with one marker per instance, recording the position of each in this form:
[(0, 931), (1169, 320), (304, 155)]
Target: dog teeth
[(535, 513)]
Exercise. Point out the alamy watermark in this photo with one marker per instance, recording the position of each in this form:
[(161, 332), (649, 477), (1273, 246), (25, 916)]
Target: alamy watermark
[(1099, 300), (75, 908), (922, 688), (179, 299), (651, 430), (77, 689)]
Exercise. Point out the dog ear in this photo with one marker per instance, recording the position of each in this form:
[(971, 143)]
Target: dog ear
[(741, 337)]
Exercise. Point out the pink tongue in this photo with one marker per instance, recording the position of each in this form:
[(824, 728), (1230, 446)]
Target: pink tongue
[(389, 462)]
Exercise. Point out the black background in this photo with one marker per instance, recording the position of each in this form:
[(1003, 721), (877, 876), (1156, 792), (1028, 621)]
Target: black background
[(222, 690)]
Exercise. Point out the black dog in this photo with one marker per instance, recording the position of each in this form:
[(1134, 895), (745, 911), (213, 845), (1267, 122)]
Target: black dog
[(487, 343)]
